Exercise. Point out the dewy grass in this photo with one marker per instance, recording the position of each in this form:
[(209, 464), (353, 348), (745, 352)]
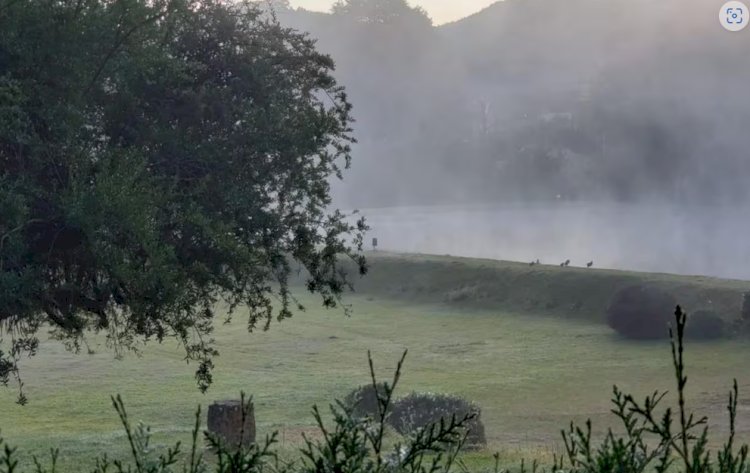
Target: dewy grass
[(653, 440), (353, 444), (529, 373), (686, 443)]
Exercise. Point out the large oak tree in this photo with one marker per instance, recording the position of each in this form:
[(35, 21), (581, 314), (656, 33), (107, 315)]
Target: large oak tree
[(158, 157)]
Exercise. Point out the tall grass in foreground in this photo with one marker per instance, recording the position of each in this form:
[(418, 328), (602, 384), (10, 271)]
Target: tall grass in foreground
[(653, 440)]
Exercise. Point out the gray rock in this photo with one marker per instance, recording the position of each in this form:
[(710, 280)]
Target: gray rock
[(225, 421)]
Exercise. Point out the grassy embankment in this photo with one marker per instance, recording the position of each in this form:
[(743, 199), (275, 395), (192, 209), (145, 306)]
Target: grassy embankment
[(527, 343)]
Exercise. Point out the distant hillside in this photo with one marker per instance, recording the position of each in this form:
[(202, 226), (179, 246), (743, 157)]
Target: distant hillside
[(536, 99), (571, 293), (571, 44)]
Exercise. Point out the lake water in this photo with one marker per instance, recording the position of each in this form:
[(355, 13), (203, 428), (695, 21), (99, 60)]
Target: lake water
[(661, 238)]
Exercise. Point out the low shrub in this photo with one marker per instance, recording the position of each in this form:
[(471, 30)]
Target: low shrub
[(705, 325), (419, 410), (742, 325), (363, 401), (745, 314), (640, 312)]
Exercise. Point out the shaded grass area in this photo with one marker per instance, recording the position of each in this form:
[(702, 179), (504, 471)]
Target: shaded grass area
[(571, 292), (530, 375)]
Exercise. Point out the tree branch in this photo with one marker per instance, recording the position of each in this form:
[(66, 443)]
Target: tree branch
[(12, 231), (118, 44)]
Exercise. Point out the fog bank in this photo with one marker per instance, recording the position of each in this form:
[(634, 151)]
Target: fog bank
[(660, 238)]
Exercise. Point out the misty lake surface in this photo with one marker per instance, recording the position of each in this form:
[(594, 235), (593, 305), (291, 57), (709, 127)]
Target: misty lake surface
[(696, 240)]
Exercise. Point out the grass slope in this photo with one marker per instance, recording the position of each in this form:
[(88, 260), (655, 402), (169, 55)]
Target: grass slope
[(531, 375), (571, 292)]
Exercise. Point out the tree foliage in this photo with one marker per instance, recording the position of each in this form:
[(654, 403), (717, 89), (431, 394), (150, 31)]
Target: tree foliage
[(382, 12), (158, 157)]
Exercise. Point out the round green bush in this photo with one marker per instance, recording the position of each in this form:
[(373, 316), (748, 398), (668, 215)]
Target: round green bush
[(363, 401), (641, 312), (705, 325), (418, 410), (745, 314)]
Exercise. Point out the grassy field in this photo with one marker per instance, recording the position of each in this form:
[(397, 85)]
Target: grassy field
[(570, 293), (530, 374)]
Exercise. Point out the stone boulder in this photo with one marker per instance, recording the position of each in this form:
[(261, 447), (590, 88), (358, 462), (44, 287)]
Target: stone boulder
[(225, 422)]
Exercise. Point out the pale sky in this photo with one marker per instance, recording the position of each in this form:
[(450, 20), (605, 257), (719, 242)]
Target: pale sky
[(441, 11)]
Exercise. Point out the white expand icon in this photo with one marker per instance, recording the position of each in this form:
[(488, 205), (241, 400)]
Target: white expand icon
[(734, 16)]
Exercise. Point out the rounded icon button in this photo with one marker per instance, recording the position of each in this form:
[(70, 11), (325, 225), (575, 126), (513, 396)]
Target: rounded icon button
[(734, 16)]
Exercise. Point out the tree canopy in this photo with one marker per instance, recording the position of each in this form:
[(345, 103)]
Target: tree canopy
[(382, 12), (158, 157)]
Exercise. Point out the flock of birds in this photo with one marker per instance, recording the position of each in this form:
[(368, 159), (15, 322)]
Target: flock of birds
[(564, 264)]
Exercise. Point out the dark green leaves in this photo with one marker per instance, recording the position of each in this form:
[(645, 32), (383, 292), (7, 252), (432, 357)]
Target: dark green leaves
[(158, 157)]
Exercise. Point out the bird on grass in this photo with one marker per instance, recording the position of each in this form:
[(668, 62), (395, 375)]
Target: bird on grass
[(565, 263), (590, 264)]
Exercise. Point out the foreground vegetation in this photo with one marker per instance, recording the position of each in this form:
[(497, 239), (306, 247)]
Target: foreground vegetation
[(650, 439), (529, 374)]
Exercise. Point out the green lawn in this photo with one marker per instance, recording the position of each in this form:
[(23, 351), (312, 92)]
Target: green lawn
[(531, 375)]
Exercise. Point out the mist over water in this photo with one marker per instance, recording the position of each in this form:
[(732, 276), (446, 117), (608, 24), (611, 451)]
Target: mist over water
[(604, 130), (694, 239)]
